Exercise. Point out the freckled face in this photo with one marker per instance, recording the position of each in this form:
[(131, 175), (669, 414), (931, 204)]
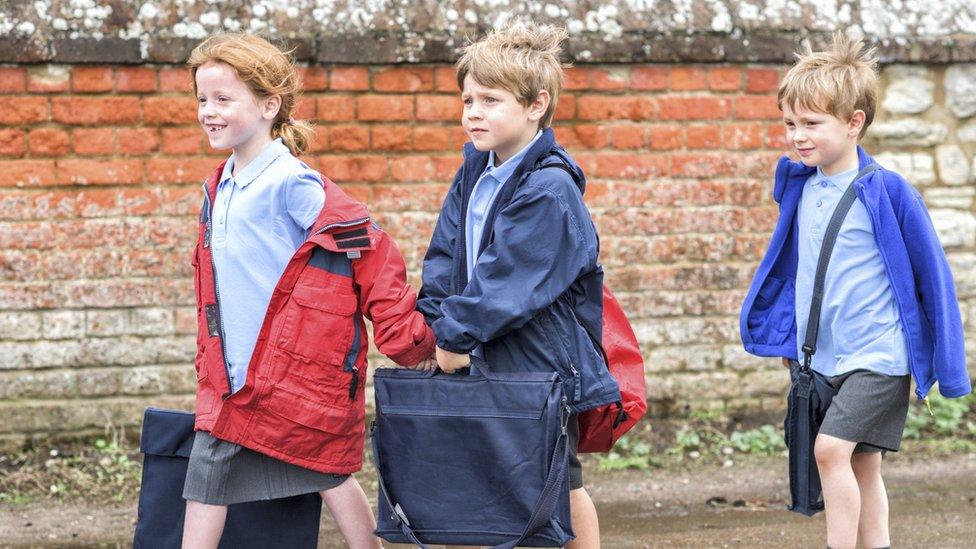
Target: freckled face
[(494, 119), (232, 116), (821, 139)]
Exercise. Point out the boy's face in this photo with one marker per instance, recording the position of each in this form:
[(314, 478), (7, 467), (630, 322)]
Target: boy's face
[(495, 120), (232, 116), (822, 139)]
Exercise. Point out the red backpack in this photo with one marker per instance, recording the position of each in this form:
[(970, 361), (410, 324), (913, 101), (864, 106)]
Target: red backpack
[(600, 428)]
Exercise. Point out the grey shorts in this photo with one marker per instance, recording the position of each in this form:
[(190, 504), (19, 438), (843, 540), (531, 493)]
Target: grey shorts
[(223, 473), (869, 409), (575, 468)]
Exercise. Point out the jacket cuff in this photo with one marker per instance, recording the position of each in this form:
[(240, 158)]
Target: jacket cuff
[(957, 390), (461, 344), (418, 352)]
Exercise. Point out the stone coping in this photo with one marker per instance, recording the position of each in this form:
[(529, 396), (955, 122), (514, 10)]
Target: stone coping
[(404, 31)]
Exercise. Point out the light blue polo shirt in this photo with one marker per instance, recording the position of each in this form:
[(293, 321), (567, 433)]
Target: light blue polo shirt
[(260, 217), (860, 326), (483, 196)]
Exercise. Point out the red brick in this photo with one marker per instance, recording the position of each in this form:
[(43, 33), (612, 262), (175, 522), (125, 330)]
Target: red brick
[(610, 79), (98, 203), (13, 80), (692, 108), (415, 197), (412, 168), (756, 107), (665, 137), (385, 107), (167, 111), (762, 80), (743, 136), (138, 140), (684, 78), (48, 79), (23, 109), (91, 79), (349, 79), (354, 168), (26, 173), (179, 170), (335, 108), (438, 108), (724, 78), (445, 167), (184, 200), (11, 143), (94, 141), (430, 138), (320, 141), (304, 109), (590, 136), (175, 80), (603, 107), (99, 172), (48, 142), (95, 110), (390, 138), (139, 201), (648, 78), (313, 78), (630, 166), (445, 80), (702, 165), (183, 140), (135, 79), (576, 78), (565, 108), (776, 136), (627, 137), (404, 79), (702, 137), (349, 137)]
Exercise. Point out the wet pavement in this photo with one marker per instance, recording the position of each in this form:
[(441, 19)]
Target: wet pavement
[(933, 503)]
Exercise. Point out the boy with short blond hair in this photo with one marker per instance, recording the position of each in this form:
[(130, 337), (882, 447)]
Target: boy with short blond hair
[(511, 274), (888, 311)]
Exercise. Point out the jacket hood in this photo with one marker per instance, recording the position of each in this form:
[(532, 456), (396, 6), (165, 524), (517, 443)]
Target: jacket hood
[(544, 152)]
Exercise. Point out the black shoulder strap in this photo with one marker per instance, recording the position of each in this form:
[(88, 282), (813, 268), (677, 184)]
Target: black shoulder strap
[(830, 238)]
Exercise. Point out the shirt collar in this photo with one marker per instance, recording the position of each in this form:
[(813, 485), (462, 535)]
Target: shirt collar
[(841, 180), (257, 166), (503, 172)]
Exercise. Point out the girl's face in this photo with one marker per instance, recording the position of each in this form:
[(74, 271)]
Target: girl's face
[(232, 116), (495, 120)]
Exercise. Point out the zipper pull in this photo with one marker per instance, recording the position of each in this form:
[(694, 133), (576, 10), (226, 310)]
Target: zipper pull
[(928, 404), (354, 384)]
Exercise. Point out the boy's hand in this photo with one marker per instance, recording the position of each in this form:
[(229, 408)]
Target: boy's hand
[(426, 365), (449, 362)]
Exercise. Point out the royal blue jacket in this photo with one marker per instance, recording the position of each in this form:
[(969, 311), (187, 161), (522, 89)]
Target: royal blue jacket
[(535, 295), (914, 261)]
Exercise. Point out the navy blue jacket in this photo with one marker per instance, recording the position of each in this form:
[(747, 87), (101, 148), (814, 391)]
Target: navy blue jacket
[(914, 261), (536, 287)]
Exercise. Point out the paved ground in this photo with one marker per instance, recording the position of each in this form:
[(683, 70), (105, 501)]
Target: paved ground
[(933, 502)]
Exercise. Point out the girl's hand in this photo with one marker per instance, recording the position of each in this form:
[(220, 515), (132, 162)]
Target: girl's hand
[(449, 362), (426, 365)]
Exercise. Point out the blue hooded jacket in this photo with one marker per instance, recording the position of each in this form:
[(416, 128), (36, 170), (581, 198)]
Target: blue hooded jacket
[(535, 294), (914, 261)]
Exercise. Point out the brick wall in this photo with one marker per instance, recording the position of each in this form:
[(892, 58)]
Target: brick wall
[(100, 172)]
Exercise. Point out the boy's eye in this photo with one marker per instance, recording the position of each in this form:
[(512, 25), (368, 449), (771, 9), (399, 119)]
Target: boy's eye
[(201, 99), (490, 100), (223, 98), (467, 100)]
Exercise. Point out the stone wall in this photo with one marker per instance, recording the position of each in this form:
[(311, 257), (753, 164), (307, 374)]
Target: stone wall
[(674, 122)]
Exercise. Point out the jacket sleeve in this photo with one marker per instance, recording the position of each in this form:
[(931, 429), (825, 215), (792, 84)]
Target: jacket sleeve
[(937, 297), (389, 302), (544, 240), (439, 259)]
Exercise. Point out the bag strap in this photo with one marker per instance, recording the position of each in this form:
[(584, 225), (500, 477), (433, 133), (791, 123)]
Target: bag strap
[(541, 512), (830, 238)]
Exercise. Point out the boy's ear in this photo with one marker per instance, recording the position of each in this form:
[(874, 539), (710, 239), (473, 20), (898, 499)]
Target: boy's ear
[(856, 123), (537, 109), (270, 107)]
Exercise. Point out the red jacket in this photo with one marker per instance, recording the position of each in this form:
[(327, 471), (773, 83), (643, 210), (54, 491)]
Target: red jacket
[(303, 400)]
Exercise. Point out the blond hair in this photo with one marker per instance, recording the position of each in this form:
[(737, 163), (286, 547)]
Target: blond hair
[(837, 81), (267, 71), (522, 58)]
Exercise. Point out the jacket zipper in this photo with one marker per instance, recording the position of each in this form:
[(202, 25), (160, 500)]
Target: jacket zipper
[(350, 365), (901, 310), (213, 270), (341, 224)]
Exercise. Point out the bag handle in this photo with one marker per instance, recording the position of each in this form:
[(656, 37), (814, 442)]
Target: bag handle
[(830, 238), (541, 512)]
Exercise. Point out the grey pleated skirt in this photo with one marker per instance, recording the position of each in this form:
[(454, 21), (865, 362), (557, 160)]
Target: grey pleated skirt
[(869, 409), (223, 473)]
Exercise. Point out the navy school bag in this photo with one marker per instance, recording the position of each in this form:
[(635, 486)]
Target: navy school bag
[(471, 459), (167, 436)]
